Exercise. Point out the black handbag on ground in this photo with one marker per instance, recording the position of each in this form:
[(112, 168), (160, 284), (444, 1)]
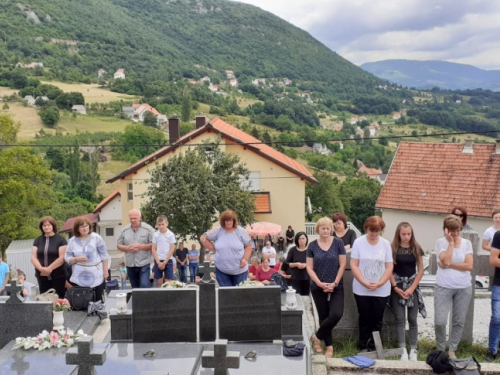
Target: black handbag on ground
[(439, 361), (79, 297), (465, 366)]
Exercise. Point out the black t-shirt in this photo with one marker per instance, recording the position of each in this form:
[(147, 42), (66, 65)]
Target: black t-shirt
[(348, 238), (290, 234), (54, 243), (182, 254), (405, 265), (496, 244), (296, 256)]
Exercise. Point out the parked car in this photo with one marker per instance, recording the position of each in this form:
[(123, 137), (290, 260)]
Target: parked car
[(429, 281)]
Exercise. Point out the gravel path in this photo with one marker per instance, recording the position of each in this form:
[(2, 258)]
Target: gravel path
[(482, 315)]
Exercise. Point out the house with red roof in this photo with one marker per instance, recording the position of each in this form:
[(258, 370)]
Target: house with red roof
[(277, 180), (426, 180), (119, 74)]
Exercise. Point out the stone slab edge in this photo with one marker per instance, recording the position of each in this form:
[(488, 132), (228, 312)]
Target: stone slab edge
[(391, 367)]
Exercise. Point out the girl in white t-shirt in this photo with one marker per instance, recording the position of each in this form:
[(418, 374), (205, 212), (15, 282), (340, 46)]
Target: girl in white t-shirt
[(453, 283), (371, 265), (490, 232)]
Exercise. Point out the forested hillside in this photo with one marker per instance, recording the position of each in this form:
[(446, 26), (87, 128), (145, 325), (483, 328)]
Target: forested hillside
[(168, 40)]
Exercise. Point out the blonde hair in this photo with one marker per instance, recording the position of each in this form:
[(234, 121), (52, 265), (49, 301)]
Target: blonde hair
[(452, 222), (324, 221)]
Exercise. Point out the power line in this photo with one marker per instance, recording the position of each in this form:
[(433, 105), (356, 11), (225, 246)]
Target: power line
[(259, 143)]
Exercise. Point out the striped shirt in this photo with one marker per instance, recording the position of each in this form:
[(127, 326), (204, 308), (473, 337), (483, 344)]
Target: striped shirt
[(143, 235)]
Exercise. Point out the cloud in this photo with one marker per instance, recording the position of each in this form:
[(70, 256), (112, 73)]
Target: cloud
[(362, 30)]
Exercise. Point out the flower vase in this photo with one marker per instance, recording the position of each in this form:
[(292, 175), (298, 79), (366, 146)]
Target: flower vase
[(291, 299), (121, 303), (58, 320)]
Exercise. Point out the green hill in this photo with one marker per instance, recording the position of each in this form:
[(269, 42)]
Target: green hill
[(168, 40), (429, 74)]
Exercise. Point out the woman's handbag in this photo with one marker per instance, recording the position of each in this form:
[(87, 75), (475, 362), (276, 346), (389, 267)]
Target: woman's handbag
[(50, 296), (79, 297), (465, 366)]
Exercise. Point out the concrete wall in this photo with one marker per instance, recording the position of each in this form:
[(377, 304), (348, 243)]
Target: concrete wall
[(427, 227), (111, 217)]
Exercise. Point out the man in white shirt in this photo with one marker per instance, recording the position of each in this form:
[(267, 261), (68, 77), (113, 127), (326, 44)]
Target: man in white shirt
[(269, 252)]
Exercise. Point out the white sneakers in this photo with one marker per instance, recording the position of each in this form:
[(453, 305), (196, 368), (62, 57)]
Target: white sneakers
[(404, 356), (413, 355)]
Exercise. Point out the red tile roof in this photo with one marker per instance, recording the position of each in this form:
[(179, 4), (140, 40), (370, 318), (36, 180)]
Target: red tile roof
[(68, 225), (232, 134), (369, 171), (106, 200), (120, 70), (262, 203), (435, 177)]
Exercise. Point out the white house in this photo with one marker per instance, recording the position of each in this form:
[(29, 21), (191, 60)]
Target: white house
[(205, 79), (229, 74), (80, 109), (109, 224), (162, 120), (427, 180), (119, 74), (258, 81), (30, 100), (213, 88), (354, 120), (101, 73), (233, 82), (396, 116), (287, 81)]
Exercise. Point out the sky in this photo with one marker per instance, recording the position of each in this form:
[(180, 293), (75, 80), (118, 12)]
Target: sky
[(461, 31)]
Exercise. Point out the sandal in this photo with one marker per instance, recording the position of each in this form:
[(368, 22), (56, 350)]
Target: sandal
[(329, 352), (316, 343)]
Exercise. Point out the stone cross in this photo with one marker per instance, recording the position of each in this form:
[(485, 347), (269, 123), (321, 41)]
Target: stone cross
[(14, 291), (220, 359), (85, 356), (379, 352), (206, 269)]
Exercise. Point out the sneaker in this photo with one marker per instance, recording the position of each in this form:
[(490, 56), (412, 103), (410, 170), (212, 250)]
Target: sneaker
[(490, 357), (451, 354), (404, 356), (413, 355)]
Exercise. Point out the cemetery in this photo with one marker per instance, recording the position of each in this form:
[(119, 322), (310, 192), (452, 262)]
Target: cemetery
[(198, 329)]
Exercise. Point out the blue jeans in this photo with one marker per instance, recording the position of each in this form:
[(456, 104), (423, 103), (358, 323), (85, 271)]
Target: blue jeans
[(182, 272), (193, 270), (495, 319), (229, 280), (123, 282), (139, 276)]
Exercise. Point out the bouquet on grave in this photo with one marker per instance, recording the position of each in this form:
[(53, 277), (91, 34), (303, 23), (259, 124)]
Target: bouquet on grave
[(173, 284), (46, 340), (250, 283), (61, 305)]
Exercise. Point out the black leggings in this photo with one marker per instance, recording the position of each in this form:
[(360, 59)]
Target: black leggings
[(302, 287), (329, 312), (58, 284), (371, 318), (98, 291)]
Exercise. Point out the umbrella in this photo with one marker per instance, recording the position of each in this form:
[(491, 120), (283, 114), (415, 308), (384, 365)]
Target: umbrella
[(262, 228)]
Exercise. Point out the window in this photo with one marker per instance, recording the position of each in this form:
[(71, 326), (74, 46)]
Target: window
[(253, 182), (130, 192), (110, 232)]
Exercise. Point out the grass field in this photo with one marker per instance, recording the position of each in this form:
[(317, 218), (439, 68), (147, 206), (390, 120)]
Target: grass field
[(108, 170), (92, 92)]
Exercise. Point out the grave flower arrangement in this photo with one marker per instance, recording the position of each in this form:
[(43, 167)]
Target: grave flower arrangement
[(61, 305), (250, 283), (46, 340), (173, 284)]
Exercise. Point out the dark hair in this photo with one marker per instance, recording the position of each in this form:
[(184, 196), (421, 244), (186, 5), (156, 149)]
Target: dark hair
[(52, 222), (464, 214), (374, 223), (228, 215), (82, 220), (339, 216), (297, 238), (495, 212), (396, 242)]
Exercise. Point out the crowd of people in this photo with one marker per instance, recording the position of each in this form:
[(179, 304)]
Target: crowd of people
[(384, 273)]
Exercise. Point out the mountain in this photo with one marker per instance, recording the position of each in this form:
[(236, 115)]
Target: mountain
[(428, 74), (167, 40)]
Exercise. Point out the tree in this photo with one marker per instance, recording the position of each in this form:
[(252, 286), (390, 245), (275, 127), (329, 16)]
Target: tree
[(73, 165), (5, 107), (193, 187), (8, 129), (50, 116), (136, 137), (324, 196), (150, 119), (186, 105), (359, 196)]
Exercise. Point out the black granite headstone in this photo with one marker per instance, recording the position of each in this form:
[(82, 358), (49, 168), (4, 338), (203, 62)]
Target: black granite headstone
[(85, 356), (207, 312), (220, 359), (165, 315), (250, 313)]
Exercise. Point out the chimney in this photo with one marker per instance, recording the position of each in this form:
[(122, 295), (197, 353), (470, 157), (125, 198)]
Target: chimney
[(200, 121), (174, 130), (468, 147), (497, 148)]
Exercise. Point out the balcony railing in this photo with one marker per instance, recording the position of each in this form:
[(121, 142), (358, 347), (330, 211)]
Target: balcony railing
[(310, 230)]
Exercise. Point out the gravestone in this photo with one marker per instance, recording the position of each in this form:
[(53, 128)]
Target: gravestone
[(85, 356), (379, 352), (291, 320), (206, 269), (121, 324), (165, 315), (249, 313), (349, 324), (13, 289), (220, 359), (208, 322), (22, 319)]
